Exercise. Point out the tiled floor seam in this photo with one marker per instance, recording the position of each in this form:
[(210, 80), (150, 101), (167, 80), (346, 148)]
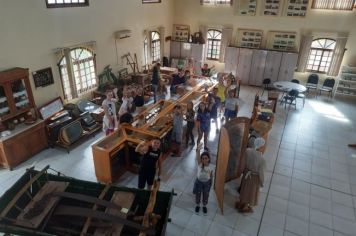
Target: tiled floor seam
[(270, 181)]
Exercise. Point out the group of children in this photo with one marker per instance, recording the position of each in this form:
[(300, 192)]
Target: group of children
[(131, 100), (222, 100)]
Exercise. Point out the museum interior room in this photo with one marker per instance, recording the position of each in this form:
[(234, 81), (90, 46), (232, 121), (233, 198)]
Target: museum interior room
[(178, 117)]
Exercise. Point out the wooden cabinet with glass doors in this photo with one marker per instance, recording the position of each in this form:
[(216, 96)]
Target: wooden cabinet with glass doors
[(15, 93), (16, 99)]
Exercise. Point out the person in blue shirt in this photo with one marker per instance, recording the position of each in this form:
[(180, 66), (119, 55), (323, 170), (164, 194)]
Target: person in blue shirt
[(203, 123), (214, 103)]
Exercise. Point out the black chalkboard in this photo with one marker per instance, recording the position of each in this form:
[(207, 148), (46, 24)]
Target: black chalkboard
[(43, 77)]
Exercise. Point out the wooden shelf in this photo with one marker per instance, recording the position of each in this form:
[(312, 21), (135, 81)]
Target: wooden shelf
[(347, 86)]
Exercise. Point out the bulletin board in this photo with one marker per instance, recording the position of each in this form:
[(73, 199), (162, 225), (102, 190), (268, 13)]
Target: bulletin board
[(249, 38), (181, 33), (43, 78)]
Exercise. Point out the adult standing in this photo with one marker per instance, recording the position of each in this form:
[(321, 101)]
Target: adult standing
[(253, 176), (156, 77)]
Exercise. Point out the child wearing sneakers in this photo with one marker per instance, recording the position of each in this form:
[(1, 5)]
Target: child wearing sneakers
[(177, 130), (204, 179)]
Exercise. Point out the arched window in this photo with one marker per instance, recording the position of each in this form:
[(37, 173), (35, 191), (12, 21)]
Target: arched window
[(214, 42), (320, 55), (155, 46), (78, 74)]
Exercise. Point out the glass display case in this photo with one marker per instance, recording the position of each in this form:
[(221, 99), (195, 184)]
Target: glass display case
[(15, 93), (19, 94), (194, 97), (4, 106), (111, 141)]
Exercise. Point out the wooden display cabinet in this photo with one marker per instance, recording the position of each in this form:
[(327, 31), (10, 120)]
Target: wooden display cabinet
[(15, 93), (113, 155), (16, 100), (110, 161), (22, 144)]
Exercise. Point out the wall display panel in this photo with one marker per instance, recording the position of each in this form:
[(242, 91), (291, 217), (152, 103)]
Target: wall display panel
[(296, 8), (249, 38), (282, 41), (246, 7), (271, 7)]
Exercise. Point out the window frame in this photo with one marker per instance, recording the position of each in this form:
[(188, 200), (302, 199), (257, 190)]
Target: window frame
[(72, 80), (154, 45), (145, 51), (210, 51), (332, 2), (62, 5), (323, 51), (150, 1)]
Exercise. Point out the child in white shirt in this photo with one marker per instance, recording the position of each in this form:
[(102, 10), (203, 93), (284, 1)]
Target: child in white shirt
[(204, 179)]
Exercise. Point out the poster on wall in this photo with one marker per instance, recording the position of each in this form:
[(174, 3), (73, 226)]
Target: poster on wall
[(271, 7), (282, 41), (181, 33), (43, 78), (297, 8), (249, 38), (246, 7)]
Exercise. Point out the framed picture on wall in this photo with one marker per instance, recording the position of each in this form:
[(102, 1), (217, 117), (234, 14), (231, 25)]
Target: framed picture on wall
[(296, 8), (246, 7), (249, 38), (181, 33), (271, 7), (43, 78), (282, 41)]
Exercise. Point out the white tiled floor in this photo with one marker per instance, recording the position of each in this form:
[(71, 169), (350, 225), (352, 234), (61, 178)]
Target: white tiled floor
[(310, 186)]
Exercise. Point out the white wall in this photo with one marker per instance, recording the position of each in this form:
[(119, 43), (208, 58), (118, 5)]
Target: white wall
[(30, 32), (192, 13)]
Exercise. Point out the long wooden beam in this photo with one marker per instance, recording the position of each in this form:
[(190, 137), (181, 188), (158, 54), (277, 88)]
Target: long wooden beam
[(22, 191)]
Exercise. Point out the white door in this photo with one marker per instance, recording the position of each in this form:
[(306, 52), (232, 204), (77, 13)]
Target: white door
[(244, 64), (273, 62), (231, 60), (257, 67), (288, 65), (175, 49), (185, 50), (197, 54)]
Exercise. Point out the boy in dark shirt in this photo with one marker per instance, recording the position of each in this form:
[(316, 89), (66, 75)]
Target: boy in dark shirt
[(205, 70), (177, 79), (139, 100), (151, 159)]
